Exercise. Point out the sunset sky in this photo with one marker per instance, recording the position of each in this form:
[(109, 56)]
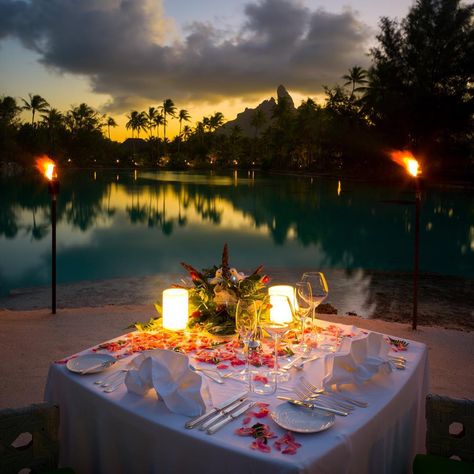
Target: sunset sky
[(206, 55)]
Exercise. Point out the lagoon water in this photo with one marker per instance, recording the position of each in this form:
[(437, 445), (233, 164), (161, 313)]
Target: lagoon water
[(126, 223)]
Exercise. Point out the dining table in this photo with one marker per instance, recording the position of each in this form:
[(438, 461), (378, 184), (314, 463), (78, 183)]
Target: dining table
[(125, 432)]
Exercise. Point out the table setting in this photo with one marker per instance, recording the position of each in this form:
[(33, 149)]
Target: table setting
[(257, 380)]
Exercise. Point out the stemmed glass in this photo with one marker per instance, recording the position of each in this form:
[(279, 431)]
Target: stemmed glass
[(277, 322), (304, 306), (246, 324), (319, 290)]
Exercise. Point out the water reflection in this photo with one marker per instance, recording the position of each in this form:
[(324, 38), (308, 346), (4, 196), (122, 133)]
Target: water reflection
[(129, 224)]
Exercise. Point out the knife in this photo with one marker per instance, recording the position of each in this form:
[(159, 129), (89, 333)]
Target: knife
[(215, 418), (312, 405), (214, 377), (309, 359), (230, 417), (292, 363), (216, 409)]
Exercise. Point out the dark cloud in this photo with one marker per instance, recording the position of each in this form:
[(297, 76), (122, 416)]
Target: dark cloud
[(124, 47)]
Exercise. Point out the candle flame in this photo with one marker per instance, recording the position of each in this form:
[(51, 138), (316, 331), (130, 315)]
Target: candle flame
[(339, 188), (406, 159), (47, 167)]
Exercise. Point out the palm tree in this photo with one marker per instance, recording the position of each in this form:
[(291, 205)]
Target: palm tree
[(35, 104), (158, 120), (83, 117), (150, 118), (168, 108), (53, 120), (187, 131), (182, 115), (206, 123), (357, 75), (110, 123), (136, 121), (8, 110), (216, 120)]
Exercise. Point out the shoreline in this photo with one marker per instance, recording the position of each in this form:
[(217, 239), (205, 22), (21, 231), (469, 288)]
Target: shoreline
[(395, 179), (443, 301)]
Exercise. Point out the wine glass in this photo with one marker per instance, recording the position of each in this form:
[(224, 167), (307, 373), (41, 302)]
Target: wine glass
[(246, 323), (276, 321), (319, 290), (303, 307)]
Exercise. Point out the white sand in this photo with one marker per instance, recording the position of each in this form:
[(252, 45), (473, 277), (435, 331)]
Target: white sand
[(31, 340)]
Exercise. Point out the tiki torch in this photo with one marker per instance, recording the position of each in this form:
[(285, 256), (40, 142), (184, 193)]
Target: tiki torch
[(406, 159), (48, 168)]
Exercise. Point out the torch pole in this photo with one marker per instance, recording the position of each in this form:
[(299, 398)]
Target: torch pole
[(53, 190), (416, 263), (53, 253)]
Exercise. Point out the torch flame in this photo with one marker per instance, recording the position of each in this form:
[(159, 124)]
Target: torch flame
[(406, 159), (47, 167)]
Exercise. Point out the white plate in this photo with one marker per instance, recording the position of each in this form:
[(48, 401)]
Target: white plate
[(300, 419), (85, 362)]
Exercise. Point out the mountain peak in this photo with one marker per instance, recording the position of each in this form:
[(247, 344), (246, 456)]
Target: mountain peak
[(244, 119), (282, 93)]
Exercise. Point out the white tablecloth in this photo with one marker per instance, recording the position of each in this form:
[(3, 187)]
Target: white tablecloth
[(122, 432)]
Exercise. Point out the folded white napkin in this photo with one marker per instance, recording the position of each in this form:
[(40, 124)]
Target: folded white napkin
[(168, 372), (357, 361)]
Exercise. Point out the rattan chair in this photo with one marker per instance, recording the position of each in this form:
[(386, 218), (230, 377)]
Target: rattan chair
[(449, 437), (29, 439)]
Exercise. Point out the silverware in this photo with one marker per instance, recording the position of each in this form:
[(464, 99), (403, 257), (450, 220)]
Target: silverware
[(102, 365), (214, 376), (398, 365), (313, 390), (305, 361), (313, 406), (112, 388), (221, 414), (288, 366), (326, 399), (230, 417), (111, 378), (216, 409)]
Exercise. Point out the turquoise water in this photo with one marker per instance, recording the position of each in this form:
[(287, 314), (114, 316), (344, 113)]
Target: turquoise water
[(133, 224)]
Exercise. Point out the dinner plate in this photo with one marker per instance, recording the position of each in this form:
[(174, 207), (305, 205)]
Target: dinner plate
[(300, 419), (87, 363)]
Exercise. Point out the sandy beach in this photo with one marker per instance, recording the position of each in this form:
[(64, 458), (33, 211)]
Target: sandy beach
[(30, 340)]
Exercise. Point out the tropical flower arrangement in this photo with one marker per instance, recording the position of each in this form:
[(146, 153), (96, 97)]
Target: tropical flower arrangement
[(213, 295), (215, 292)]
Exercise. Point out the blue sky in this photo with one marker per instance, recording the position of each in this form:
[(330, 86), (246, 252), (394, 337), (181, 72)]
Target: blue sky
[(208, 55)]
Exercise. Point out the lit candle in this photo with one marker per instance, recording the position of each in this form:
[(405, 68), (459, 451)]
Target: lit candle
[(175, 309), (281, 296)]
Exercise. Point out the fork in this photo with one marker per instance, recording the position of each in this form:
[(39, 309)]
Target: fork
[(324, 400), (315, 390)]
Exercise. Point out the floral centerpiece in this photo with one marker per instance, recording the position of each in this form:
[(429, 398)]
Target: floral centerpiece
[(213, 295), (215, 292)]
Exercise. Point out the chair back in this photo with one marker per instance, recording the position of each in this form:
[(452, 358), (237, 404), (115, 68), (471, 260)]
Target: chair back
[(37, 424), (450, 427)]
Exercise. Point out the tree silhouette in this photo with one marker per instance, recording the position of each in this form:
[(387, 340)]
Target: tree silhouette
[(357, 75), (151, 116), (36, 103), (8, 110), (420, 92), (168, 108), (110, 123)]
